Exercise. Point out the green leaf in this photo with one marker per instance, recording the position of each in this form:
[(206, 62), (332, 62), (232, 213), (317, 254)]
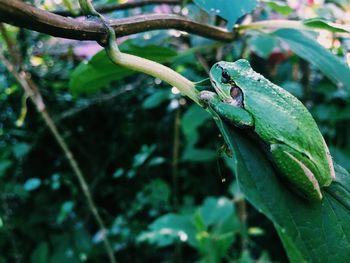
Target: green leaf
[(64, 249), (262, 44), (343, 3), (99, 71), (211, 230), (197, 155), (118, 173), (341, 156), (293, 87), (40, 254), (141, 157), (247, 258), (311, 232), (55, 181), (82, 239), (292, 251), (157, 98), (229, 10), (193, 118), (4, 165), (66, 209), (156, 161), (307, 48), (325, 112), (191, 121), (216, 210), (319, 23), (32, 184), (168, 229), (20, 150), (280, 7), (216, 225)]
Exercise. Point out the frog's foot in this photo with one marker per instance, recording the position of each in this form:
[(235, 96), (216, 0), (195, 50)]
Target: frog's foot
[(208, 97), (298, 170), (234, 115)]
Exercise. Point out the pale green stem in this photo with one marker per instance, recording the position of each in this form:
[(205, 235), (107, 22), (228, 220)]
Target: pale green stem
[(88, 8), (150, 67), (157, 70), (274, 24), (143, 65)]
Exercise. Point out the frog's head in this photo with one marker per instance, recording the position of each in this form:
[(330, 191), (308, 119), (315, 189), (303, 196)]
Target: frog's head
[(221, 77)]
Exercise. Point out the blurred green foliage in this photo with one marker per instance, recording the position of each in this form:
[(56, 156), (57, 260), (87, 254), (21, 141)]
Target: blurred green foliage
[(159, 204)]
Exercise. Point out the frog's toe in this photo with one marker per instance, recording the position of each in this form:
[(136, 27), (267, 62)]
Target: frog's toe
[(206, 96)]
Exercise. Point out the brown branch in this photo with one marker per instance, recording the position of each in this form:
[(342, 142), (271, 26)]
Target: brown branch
[(124, 6), (20, 14)]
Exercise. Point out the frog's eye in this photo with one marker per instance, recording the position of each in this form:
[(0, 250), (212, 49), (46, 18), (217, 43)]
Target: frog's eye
[(225, 77)]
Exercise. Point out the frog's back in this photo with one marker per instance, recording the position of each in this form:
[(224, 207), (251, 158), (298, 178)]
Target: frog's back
[(280, 117)]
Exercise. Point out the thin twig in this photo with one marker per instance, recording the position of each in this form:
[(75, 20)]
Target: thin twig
[(20, 14), (175, 175), (34, 94), (175, 157), (203, 62), (242, 216)]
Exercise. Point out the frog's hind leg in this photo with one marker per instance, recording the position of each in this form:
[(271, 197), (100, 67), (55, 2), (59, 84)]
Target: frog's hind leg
[(298, 170)]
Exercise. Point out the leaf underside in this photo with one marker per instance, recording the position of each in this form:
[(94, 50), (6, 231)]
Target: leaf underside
[(312, 232)]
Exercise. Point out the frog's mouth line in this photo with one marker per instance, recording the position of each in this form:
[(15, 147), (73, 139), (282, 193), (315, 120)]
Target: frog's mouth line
[(219, 91)]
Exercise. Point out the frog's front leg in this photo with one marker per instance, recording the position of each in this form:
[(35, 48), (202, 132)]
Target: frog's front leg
[(235, 115), (298, 170)]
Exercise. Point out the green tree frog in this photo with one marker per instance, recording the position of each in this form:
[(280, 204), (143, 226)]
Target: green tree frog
[(289, 133)]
